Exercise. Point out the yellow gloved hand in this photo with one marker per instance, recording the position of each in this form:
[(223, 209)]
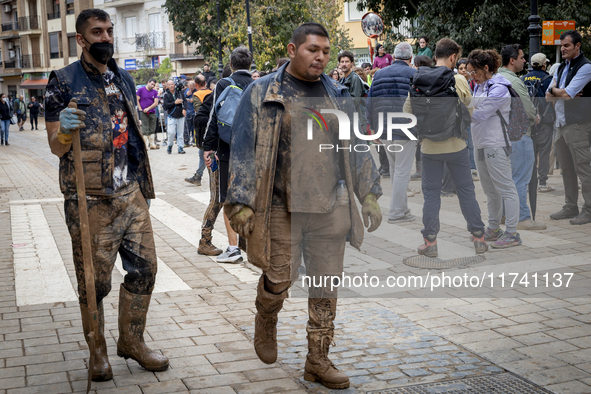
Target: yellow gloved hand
[(242, 222), (370, 210)]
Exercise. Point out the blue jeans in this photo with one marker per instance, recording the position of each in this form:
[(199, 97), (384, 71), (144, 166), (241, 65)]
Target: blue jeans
[(522, 166), (432, 175), (4, 132), (201, 164), (176, 126)]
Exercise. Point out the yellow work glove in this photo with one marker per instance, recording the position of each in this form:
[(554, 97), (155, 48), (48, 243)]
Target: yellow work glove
[(370, 210), (242, 222)]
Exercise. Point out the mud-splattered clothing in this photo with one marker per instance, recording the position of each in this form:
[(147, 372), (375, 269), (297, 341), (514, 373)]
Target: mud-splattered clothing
[(252, 162), (117, 225), (299, 159), (116, 173), (114, 155)]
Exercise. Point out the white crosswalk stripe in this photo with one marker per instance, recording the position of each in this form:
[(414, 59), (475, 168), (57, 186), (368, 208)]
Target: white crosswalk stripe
[(39, 271), (189, 228)]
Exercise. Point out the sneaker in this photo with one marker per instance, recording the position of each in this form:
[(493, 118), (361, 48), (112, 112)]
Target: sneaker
[(530, 225), (565, 213), (583, 218), (385, 174), (195, 180), (475, 176), (448, 194), (545, 189), (506, 241), (406, 218), (493, 235), (416, 175), (182, 151), (169, 150), (480, 245), (230, 257), (429, 248)]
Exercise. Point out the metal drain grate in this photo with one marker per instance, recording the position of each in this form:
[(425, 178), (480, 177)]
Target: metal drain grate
[(434, 263), (504, 383)]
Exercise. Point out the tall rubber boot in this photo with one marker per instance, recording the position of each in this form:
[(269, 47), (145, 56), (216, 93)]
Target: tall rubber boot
[(132, 322), (102, 369), (265, 322), (320, 335)]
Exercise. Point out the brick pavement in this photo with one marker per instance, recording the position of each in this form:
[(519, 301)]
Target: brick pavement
[(207, 331)]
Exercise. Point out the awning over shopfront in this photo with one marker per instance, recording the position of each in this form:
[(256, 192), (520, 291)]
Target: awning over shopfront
[(34, 83)]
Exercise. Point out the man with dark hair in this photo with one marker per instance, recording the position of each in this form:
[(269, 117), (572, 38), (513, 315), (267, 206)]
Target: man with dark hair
[(522, 151), (450, 152), (207, 73), (537, 82), (357, 87), (175, 104), (189, 128), (118, 182), (34, 107), (570, 91), (147, 101), (270, 208), (240, 61), (198, 99)]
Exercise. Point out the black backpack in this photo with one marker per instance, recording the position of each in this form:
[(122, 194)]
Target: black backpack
[(544, 109), (440, 112)]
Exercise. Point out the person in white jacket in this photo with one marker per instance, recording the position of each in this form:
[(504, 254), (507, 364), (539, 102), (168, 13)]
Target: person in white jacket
[(492, 151)]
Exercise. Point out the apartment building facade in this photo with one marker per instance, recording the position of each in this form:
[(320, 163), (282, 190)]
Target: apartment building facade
[(144, 36)]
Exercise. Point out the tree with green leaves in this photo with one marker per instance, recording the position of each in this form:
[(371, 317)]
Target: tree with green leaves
[(165, 69), (144, 72), (481, 23), (272, 23)]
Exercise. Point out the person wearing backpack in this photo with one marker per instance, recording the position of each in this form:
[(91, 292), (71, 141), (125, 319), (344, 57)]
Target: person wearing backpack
[(571, 82), (388, 92), (522, 151), (217, 133), (446, 146), (537, 82), (492, 107)]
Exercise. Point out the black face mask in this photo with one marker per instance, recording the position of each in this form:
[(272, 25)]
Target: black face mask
[(102, 52)]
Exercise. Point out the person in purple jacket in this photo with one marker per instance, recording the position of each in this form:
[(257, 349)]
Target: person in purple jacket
[(382, 59), (493, 162)]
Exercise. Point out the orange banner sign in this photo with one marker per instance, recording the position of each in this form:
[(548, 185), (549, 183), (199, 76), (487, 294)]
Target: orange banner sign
[(551, 31)]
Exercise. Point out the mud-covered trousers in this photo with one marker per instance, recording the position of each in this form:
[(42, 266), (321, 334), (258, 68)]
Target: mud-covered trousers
[(117, 225)]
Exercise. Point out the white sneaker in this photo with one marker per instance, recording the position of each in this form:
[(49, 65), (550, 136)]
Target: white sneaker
[(234, 257)]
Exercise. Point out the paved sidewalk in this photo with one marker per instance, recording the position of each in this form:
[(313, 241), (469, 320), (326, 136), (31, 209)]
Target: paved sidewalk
[(202, 312)]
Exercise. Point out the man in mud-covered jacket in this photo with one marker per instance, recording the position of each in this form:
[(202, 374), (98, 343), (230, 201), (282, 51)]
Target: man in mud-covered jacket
[(118, 185), (288, 197)]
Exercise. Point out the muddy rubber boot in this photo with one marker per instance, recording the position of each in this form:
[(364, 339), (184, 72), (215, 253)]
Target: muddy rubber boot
[(102, 369), (207, 248), (429, 248), (265, 322), (132, 322), (320, 335)]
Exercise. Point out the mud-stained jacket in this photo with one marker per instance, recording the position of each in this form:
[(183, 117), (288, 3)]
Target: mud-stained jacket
[(86, 84), (255, 140)]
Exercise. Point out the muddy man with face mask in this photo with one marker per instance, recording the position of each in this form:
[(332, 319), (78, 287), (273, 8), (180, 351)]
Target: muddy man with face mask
[(118, 185)]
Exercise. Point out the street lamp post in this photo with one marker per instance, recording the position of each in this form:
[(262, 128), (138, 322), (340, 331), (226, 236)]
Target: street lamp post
[(249, 31), (220, 64), (534, 29)]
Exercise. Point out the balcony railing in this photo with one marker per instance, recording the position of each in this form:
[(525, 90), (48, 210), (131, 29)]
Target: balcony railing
[(154, 40), (56, 55), (29, 23), (32, 61), (13, 63), (9, 26), (55, 15), (189, 53)]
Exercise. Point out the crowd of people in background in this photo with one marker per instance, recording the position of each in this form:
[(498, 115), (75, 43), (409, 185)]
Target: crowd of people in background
[(507, 168), (13, 110)]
